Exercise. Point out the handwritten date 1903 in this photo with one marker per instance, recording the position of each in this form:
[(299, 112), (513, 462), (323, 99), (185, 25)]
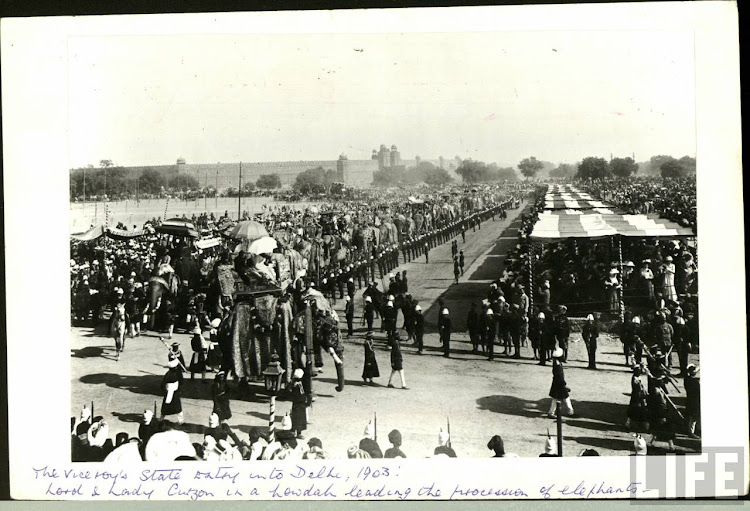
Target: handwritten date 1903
[(374, 473)]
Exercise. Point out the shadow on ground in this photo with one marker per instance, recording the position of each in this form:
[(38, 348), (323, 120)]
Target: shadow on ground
[(92, 352), (150, 384), (458, 299), (511, 405)]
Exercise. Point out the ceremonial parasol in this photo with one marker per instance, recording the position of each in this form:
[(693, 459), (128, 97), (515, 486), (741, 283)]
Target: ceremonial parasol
[(178, 227), (264, 245), (248, 230)]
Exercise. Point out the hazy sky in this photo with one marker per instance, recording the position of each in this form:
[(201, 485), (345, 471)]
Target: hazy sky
[(498, 96)]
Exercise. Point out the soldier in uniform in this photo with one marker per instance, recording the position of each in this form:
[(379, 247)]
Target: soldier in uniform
[(472, 326), (419, 328), (351, 290), (590, 333), (349, 313), (559, 391), (515, 322), (562, 331), (446, 333)]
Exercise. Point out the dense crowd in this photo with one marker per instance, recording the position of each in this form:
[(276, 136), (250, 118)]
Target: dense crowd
[(357, 244), (670, 198), (158, 440), (587, 276)]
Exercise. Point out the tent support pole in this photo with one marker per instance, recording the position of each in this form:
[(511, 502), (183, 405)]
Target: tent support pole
[(531, 277), (622, 280)]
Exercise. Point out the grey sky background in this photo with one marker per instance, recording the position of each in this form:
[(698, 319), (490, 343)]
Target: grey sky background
[(493, 96)]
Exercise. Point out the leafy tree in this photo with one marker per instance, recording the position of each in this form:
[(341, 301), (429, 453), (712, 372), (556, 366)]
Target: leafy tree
[(506, 174), (672, 169), (473, 171), (689, 164), (315, 180), (530, 166), (593, 168), (183, 182), (562, 171), (248, 187), (268, 181), (623, 167), (151, 181), (656, 162), (105, 164), (437, 177)]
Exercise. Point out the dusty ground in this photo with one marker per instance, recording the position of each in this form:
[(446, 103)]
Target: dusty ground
[(481, 398)]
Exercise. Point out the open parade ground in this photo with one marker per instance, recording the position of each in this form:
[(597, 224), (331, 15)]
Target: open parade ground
[(480, 398)]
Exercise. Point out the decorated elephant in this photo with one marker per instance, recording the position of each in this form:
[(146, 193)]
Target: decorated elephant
[(161, 289), (260, 327)]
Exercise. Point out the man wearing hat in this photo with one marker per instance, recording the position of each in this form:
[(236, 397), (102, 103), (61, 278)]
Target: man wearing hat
[(446, 333), (659, 409), (559, 391), (550, 448), (299, 403), (349, 313), (443, 447), (198, 360), (419, 328), (368, 444), (693, 405), (220, 397), (148, 427), (562, 331), (172, 388), (590, 334), (369, 312), (174, 351)]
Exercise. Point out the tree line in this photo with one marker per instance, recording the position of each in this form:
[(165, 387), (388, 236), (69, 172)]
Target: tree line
[(118, 182)]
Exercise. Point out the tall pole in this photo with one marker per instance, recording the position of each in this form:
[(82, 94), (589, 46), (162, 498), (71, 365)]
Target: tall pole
[(84, 192), (531, 278), (622, 281), (272, 418), (309, 345), (559, 429), (239, 197), (216, 192)]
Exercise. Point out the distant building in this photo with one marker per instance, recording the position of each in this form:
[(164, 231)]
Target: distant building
[(353, 173)]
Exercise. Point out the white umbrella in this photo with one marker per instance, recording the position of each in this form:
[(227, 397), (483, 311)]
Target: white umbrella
[(248, 230), (264, 245)]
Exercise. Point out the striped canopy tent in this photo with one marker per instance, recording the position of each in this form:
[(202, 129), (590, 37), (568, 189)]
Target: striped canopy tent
[(554, 226), (570, 214), (569, 197)]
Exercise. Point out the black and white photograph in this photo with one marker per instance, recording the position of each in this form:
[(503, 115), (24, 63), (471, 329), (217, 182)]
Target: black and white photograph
[(382, 243)]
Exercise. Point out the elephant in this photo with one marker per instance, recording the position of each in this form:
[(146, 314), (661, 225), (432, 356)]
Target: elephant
[(418, 220), (330, 245), (160, 289), (259, 328)]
